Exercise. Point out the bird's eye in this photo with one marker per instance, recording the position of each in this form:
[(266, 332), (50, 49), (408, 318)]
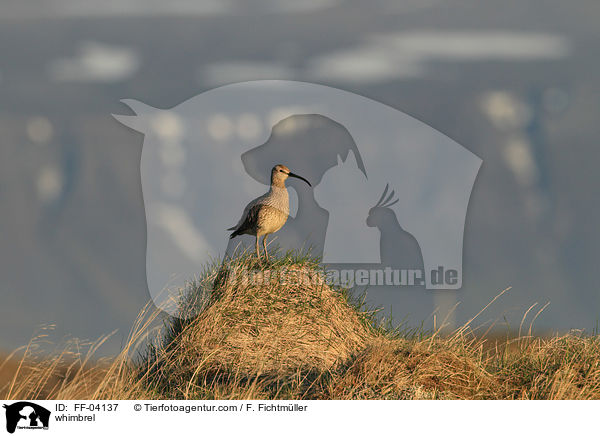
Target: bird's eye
[(281, 171)]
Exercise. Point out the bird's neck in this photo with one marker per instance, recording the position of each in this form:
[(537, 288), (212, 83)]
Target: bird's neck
[(277, 184), (278, 191), (388, 221)]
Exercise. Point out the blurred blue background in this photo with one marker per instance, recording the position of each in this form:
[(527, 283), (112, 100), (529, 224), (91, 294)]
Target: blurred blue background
[(516, 82)]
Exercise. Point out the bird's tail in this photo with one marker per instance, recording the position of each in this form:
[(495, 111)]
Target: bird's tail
[(234, 234)]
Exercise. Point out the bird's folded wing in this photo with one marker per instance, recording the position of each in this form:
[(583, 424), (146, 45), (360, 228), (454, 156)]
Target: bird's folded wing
[(249, 206)]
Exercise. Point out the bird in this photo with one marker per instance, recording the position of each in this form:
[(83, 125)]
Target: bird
[(269, 212)]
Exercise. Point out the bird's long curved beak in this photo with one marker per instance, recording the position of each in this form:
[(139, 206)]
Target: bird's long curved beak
[(299, 177)]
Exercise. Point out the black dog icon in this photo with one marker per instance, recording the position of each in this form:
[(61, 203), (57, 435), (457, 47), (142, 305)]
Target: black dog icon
[(32, 411)]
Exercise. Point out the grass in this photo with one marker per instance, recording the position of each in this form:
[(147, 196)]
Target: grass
[(302, 339)]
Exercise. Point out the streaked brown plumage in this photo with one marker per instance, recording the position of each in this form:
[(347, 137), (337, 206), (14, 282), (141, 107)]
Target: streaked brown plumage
[(269, 212)]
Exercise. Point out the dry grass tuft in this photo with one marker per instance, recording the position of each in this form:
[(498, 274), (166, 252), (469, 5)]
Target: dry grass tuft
[(305, 340)]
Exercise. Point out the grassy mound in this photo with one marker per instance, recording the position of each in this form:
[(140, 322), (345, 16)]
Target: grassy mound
[(278, 332), (269, 326), (283, 334)]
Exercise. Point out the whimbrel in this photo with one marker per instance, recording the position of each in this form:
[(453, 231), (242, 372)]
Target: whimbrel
[(269, 212)]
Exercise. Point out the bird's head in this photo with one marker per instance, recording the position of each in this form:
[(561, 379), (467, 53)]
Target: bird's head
[(382, 210), (280, 173)]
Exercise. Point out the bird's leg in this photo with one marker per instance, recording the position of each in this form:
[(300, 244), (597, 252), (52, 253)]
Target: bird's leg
[(257, 250), (265, 246)]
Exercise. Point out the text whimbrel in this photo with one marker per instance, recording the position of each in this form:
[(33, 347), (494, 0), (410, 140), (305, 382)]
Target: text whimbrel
[(269, 212)]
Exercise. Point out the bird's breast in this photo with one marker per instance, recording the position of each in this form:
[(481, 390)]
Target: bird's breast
[(279, 199), (275, 211)]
